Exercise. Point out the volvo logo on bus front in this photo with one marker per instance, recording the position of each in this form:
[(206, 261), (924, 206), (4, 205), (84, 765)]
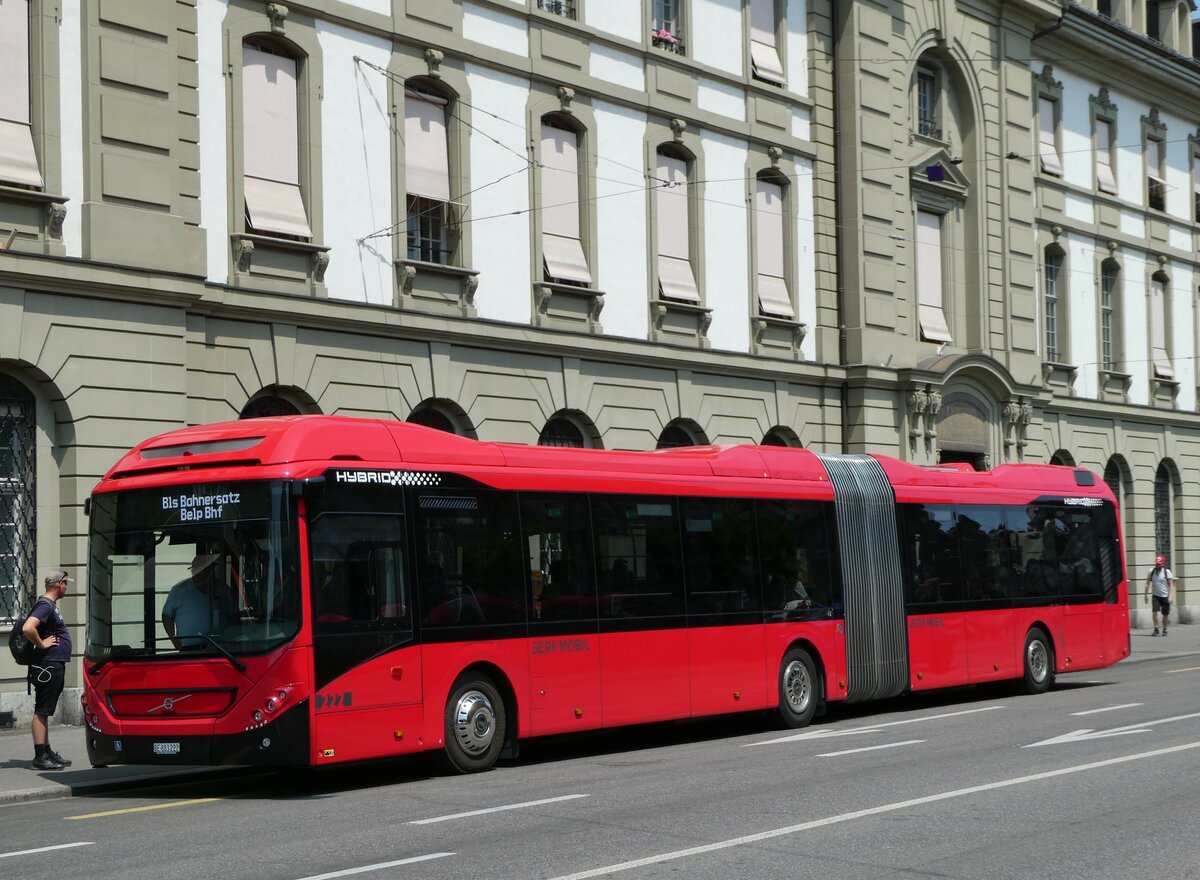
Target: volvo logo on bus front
[(388, 478)]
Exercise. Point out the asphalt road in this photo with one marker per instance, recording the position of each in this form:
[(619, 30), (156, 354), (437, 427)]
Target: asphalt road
[(973, 783)]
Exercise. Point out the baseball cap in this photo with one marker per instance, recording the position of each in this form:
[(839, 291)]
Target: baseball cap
[(57, 576), (1160, 560)]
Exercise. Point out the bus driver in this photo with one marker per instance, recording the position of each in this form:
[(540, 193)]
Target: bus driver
[(198, 605)]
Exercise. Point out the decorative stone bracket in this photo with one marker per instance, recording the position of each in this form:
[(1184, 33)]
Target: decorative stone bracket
[(778, 335), (1017, 414), (924, 402), (566, 306), (245, 245), (454, 282)]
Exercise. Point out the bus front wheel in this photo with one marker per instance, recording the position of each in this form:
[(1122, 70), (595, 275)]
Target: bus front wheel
[(799, 689), (475, 724), (1039, 662)]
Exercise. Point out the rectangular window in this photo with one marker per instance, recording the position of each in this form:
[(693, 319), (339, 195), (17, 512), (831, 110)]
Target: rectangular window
[(933, 558), (1109, 274), (1196, 188), (1050, 294), (927, 99), (18, 159), (1106, 180), (773, 296), (271, 146), (676, 279), (798, 546), (1158, 329), (558, 544), (666, 26), (426, 221), (638, 557), (1156, 176), (1048, 136), (931, 311), (562, 249), (565, 8), (764, 53), (469, 568), (720, 560)]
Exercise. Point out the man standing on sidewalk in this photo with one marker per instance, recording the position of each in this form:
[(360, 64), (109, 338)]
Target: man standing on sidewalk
[(1162, 581), (47, 630)]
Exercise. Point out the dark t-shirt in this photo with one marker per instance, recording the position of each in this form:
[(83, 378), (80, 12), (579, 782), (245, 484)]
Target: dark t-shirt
[(51, 623)]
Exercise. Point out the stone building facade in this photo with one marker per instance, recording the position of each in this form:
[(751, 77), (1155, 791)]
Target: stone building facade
[(616, 223)]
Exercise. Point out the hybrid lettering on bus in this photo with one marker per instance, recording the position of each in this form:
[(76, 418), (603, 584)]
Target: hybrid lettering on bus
[(313, 590)]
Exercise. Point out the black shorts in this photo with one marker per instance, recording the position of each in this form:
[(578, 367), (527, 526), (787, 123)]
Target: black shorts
[(1161, 603), (47, 679)]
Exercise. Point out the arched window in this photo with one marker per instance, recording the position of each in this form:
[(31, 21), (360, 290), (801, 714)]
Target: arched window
[(1062, 457), (563, 252), (427, 172), (560, 431), (674, 209), (1112, 479), (268, 405), (18, 497), (681, 432), (431, 417), (271, 140), (780, 436), (1162, 511)]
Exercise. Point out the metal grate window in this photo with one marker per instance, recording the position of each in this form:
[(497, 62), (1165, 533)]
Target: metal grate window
[(268, 406), (1162, 512), (18, 501), (561, 432), (674, 437), (427, 230), (565, 8)]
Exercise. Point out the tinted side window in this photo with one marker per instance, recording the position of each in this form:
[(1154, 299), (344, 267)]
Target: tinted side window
[(933, 555), (796, 543), (720, 559), (558, 545), (638, 560), (468, 559), (360, 596), (987, 546)]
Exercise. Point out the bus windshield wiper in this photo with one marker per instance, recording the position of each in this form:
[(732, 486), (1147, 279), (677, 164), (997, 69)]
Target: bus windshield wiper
[(224, 652)]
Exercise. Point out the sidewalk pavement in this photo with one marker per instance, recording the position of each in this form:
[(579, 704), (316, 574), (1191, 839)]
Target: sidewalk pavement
[(18, 781)]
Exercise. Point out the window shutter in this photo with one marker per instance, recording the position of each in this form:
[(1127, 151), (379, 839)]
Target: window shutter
[(1158, 330), (18, 159), (1047, 141), (561, 248), (773, 296), (931, 315), (426, 151), (676, 279), (1105, 178), (764, 54), (270, 147)]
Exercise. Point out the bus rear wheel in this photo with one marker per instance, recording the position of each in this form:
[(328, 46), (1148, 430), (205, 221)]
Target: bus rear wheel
[(475, 724), (1039, 662), (799, 689)]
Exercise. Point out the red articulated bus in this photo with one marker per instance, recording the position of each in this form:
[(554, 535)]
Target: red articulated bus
[(312, 590)]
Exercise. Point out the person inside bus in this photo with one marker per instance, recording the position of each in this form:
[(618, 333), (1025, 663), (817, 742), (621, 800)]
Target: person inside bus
[(199, 605)]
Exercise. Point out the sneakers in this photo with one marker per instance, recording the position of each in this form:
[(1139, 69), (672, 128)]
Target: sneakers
[(66, 762), (1164, 630), (46, 762), (1155, 631)]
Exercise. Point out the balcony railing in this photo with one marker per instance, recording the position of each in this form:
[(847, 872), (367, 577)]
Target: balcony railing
[(565, 8)]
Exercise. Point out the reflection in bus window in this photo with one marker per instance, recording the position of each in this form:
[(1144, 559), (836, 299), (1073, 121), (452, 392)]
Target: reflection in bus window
[(559, 547), (720, 558), (638, 556), (796, 541)]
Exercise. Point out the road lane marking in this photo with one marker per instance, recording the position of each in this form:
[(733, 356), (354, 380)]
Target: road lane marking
[(1088, 733), (144, 809), (870, 811), (42, 849), (871, 728), (1188, 669), (521, 806), (377, 867), (1106, 709), (907, 742)]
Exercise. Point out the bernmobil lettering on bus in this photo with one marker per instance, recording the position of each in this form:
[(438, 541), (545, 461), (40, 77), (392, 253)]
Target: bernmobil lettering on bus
[(505, 591)]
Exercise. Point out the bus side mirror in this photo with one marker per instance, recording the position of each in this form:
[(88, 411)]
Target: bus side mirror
[(87, 506)]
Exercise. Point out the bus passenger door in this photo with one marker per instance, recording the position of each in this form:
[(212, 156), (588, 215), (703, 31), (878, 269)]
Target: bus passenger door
[(367, 674), (937, 624), (564, 643)]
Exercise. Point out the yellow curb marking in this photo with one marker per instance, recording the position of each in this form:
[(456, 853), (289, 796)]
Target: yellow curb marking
[(144, 809)]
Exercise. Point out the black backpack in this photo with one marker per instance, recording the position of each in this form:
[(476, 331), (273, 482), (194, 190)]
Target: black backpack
[(23, 651)]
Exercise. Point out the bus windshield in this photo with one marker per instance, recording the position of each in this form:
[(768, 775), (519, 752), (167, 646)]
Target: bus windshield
[(193, 570)]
